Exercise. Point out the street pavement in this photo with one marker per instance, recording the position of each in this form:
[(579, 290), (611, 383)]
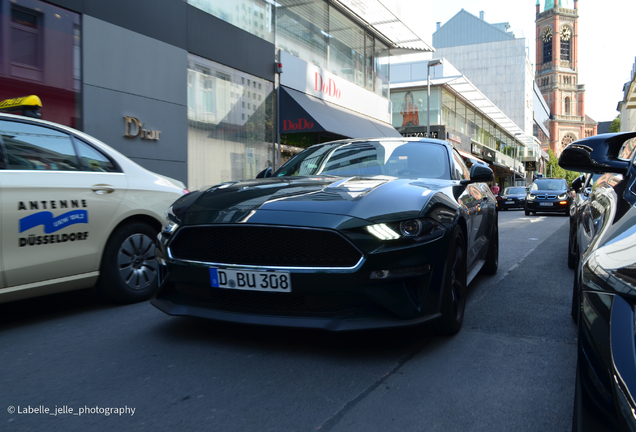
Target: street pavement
[(510, 368)]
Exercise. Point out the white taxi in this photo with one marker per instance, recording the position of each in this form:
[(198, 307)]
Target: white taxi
[(75, 213)]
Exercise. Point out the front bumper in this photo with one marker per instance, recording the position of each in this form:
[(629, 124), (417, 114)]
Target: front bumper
[(324, 299), (547, 205)]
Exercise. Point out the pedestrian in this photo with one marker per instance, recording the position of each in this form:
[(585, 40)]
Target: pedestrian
[(495, 189)]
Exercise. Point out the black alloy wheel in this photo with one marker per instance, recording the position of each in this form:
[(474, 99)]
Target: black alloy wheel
[(454, 290)]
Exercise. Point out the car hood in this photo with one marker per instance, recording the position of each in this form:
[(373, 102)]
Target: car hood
[(513, 196), (369, 198)]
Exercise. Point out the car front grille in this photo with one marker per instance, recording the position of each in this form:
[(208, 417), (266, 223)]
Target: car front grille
[(545, 196), (270, 246)]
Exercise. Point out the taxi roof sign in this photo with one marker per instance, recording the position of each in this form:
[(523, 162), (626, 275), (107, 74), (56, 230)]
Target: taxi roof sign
[(26, 105)]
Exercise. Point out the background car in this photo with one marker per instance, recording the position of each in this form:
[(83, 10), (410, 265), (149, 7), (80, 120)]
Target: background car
[(76, 213), (512, 197), (548, 195), (604, 288), (346, 235)]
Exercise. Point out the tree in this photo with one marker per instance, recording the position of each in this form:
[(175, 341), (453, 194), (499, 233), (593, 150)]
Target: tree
[(555, 171), (616, 124)]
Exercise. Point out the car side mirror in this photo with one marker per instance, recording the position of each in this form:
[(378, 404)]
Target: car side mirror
[(479, 174), (267, 172), (596, 154)]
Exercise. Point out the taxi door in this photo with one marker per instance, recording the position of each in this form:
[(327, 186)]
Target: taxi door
[(55, 205)]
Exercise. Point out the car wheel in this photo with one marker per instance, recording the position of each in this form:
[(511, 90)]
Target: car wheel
[(572, 252), (576, 302), (454, 290), (527, 212), (492, 256), (128, 273)]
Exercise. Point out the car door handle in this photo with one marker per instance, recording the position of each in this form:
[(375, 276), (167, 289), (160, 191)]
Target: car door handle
[(102, 189)]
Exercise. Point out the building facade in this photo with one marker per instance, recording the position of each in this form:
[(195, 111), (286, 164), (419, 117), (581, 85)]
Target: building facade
[(557, 73), (190, 88), (460, 113), (627, 107)]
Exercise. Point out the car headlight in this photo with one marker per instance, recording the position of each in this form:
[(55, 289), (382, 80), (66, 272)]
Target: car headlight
[(531, 197), (562, 196), (170, 225), (414, 229)]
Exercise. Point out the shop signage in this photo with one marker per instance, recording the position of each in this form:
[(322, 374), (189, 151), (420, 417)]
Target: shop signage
[(327, 87), (134, 128), (437, 131), (300, 125), (531, 165), (475, 149), (320, 83), (488, 154)]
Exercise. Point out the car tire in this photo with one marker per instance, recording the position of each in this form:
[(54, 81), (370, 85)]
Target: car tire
[(576, 301), (454, 290), (572, 253), (492, 256), (128, 273), (527, 212)]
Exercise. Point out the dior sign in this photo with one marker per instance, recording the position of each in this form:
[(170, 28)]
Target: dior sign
[(134, 128)]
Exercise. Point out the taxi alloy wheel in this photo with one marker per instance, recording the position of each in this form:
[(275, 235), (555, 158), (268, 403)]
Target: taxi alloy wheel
[(129, 267)]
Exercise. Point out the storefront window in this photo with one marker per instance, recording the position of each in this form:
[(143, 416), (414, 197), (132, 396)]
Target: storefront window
[(231, 129), (448, 110), (41, 56), (254, 16), (346, 48), (461, 117)]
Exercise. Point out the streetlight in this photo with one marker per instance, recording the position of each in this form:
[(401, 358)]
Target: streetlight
[(434, 62), (514, 160)]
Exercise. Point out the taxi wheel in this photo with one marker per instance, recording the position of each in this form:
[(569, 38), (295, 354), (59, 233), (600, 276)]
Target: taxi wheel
[(454, 290), (128, 273)]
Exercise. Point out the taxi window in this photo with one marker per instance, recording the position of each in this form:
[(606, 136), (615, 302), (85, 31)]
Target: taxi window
[(94, 160), (32, 147)]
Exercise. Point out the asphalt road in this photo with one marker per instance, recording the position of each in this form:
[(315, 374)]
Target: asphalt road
[(511, 368)]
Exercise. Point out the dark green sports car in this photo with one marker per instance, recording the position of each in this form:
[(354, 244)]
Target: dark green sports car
[(352, 234)]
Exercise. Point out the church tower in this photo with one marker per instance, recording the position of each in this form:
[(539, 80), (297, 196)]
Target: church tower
[(557, 74)]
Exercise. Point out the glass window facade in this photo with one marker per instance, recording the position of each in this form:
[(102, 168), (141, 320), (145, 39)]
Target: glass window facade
[(231, 122), (41, 55), (320, 34), (409, 107), (254, 16)]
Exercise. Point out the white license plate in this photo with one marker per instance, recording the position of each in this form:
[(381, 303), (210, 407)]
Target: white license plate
[(510, 202), (546, 204), (273, 281)]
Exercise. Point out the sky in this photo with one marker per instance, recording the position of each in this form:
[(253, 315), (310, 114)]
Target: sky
[(607, 47)]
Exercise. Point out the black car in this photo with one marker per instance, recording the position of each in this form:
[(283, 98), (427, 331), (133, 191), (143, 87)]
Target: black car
[(582, 187), (346, 235), (548, 195), (604, 289), (512, 197)]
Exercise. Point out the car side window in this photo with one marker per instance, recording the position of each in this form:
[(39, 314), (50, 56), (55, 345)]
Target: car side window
[(94, 160), (33, 147), (460, 172)]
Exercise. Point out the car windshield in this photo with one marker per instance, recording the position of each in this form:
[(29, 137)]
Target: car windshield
[(406, 159), (549, 184), (514, 191)]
